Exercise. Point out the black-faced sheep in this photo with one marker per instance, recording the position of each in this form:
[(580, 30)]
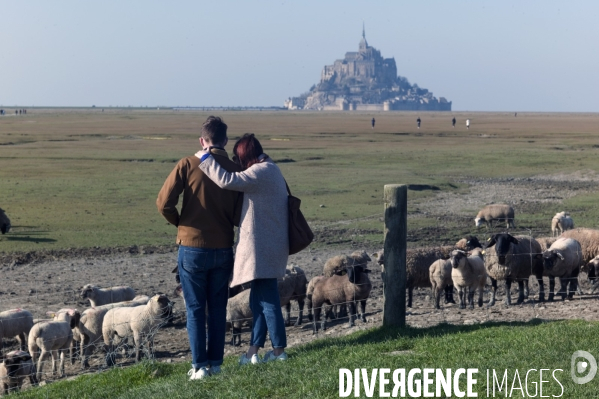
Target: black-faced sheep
[(511, 259), (495, 212), (468, 275), (292, 287), (4, 222), (141, 322), (348, 288), (16, 367), (101, 296), (560, 223), (563, 260), (15, 323), (53, 338)]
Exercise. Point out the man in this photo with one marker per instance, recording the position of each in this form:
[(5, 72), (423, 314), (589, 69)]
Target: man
[(453, 122), (418, 122), (205, 237), (373, 122)]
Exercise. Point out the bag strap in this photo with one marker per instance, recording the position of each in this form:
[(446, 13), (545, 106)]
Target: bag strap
[(286, 185)]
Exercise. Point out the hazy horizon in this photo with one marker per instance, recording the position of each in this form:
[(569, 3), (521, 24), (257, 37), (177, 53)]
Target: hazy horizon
[(536, 56)]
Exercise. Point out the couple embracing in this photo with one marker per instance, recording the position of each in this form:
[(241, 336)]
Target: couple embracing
[(218, 194)]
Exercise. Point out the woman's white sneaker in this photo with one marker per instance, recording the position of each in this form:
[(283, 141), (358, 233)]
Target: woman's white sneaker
[(198, 374), (255, 359), (270, 356)]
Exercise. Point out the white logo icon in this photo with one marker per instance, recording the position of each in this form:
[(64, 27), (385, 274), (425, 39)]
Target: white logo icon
[(579, 367)]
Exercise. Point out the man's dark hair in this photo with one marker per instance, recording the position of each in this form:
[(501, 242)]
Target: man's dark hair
[(214, 130)]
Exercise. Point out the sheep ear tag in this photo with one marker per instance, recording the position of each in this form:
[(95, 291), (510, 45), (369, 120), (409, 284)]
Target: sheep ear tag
[(156, 298), (483, 252)]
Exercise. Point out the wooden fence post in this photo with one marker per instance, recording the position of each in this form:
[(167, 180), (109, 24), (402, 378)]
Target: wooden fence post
[(394, 277)]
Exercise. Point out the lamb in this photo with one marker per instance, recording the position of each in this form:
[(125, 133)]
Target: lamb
[(89, 329), (512, 258), (101, 296), (560, 223), (53, 337), (293, 287), (468, 274), (440, 276), (563, 260), (339, 289), (468, 243), (238, 312), (16, 367), (139, 321), (4, 222), (15, 323), (499, 212)]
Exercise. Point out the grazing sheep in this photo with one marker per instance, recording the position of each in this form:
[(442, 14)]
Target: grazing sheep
[(560, 223), (468, 274), (53, 337), (101, 296), (15, 323), (468, 243), (16, 367), (339, 289), (563, 260), (89, 329), (4, 222), (499, 212), (511, 259), (440, 276), (292, 286), (239, 312), (588, 239), (139, 321)]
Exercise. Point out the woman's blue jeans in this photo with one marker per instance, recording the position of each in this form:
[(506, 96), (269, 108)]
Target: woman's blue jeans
[(266, 307), (204, 277)]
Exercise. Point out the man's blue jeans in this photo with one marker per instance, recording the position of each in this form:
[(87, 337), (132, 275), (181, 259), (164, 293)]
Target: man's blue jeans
[(266, 307), (204, 277)]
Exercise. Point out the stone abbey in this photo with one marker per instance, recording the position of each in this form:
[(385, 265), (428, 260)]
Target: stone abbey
[(365, 81)]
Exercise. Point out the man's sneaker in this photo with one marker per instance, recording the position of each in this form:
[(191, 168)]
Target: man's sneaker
[(198, 374), (244, 360), (270, 356), (214, 370)]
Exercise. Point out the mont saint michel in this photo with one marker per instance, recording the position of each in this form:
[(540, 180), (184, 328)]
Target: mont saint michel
[(365, 81)]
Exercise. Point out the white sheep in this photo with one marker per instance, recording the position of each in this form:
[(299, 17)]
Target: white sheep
[(563, 260), (53, 337), (560, 223), (139, 321), (16, 367), (292, 286), (89, 329), (468, 275), (15, 323), (588, 239), (101, 296), (239, 312), (493, 212), (440, 276), (4, 222)]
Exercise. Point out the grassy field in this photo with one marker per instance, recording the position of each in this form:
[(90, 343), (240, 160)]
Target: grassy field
[(85, 178), (313, 370)]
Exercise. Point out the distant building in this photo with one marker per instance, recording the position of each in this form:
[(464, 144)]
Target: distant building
[(364, 80)]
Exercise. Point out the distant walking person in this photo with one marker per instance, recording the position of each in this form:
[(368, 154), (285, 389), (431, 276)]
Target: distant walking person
[(453, 122), (467, 123), (418, 122), (373, 121)]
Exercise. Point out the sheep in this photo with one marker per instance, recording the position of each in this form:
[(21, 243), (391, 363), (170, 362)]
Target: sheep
[(101, 296), (292, 286), (440, 276), (310, 292), (499, 212), (592, 270), (139, 321), (89, 329), (4, 222), (53, 337), (588, 239), (238, 312), (545, 242), (16, 367), (468, 243), (339, 289), (468, 274), (336, 264), (512, 258), (15, 323), (563, 260), (560, 223)]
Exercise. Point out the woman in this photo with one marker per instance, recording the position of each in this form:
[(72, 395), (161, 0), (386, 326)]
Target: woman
[(263, 249)]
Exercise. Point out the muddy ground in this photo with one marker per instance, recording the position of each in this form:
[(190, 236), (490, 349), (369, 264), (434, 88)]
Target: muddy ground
[(49, 280)]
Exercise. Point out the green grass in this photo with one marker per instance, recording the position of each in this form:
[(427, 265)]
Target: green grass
[(313, 369)]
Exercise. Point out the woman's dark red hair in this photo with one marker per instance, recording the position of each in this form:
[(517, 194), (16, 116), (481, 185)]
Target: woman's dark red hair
[(247, 150)]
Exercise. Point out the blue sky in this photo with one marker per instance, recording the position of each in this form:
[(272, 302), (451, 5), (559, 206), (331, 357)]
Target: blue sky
[(483, 56)]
